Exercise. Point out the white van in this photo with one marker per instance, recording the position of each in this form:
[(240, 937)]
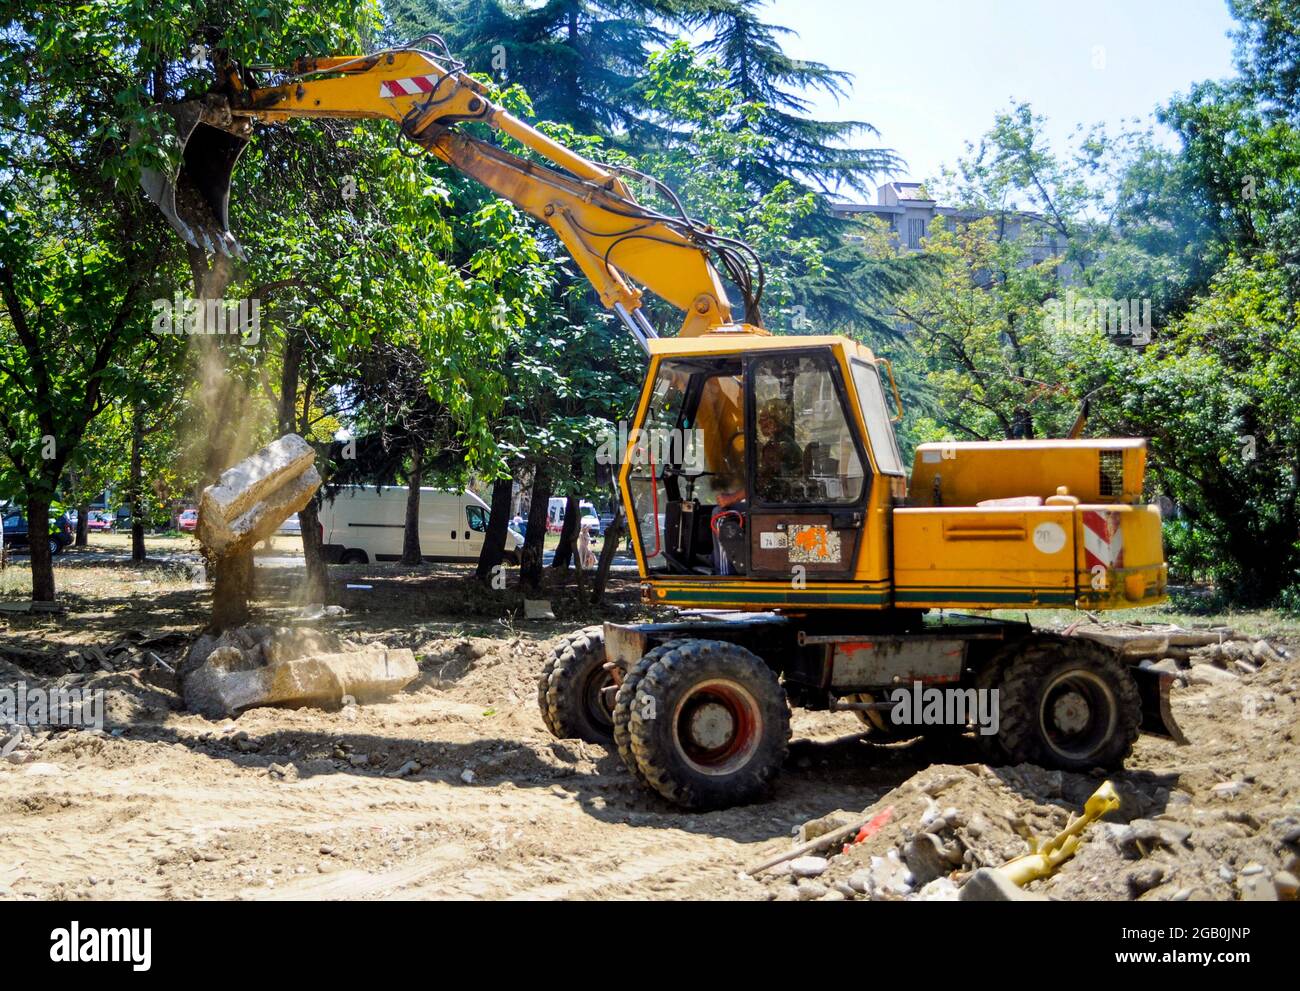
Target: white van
[(586, 514), (361, 525)]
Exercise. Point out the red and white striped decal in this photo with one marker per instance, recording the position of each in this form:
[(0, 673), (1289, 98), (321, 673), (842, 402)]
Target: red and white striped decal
[(1103, 540), (412, 86)]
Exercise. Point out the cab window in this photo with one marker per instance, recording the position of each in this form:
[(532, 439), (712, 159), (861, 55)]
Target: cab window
[(871, 395), (804, 448), (477, 517)]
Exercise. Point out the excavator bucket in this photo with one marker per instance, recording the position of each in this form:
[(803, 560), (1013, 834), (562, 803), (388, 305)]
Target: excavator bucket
[(196, 198)]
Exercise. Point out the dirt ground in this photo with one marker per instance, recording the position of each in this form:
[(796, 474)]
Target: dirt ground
[(328, 804)]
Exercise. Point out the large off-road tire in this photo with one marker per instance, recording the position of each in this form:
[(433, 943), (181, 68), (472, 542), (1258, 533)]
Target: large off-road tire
[(1068, 703), (626, 699), (711, 726), (571, 689)]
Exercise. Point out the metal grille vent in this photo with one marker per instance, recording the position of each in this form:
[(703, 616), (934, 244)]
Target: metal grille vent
[(1111, 479)]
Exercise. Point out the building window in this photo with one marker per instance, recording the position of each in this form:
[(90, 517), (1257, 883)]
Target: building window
[(915, 231)]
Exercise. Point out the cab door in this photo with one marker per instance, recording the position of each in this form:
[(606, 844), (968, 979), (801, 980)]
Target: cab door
[(440, 525), (474, 524), (808, 471)]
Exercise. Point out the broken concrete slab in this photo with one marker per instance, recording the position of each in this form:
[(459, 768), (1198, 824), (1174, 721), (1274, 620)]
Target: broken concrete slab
[(229, 684), (252, 498), (29, 606), (538, 609), (251, 667)]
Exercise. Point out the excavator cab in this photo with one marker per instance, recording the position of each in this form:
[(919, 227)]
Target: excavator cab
[(754, 466)]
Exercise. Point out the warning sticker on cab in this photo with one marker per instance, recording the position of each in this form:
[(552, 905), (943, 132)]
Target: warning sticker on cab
[(814, 544)]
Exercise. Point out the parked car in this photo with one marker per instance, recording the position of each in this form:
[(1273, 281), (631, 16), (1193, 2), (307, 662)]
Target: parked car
[(99, 520), (189, 519), (16, 532), (292, 527)]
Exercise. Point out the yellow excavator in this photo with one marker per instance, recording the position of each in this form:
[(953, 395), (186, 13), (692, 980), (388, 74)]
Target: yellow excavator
[(764, 487)]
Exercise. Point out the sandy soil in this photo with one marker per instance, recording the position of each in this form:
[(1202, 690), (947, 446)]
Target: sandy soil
[(327, 804)]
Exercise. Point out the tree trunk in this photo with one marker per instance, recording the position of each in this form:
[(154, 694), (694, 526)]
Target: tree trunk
[(38, 530), (530, 558), (134, 485), (232, 587), (564, 550), (317, 570), (494, 541), (411, 535), (607, 551), (83, 530), (317, 573)]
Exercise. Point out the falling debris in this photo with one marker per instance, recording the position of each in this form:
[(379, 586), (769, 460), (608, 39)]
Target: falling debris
[(251, 499)]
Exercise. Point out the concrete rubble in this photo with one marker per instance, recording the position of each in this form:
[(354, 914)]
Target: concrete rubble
[(251, 499), (954, 826), (1218, 645), (255, 666)]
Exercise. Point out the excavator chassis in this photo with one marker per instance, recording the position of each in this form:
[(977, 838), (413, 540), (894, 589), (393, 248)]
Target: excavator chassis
[(1072, 703)]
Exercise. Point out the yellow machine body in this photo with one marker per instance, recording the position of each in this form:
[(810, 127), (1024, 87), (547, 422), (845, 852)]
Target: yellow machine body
[(982, 525)]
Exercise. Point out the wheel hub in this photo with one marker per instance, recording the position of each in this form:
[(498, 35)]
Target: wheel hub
[(600, 700), (717, 726), (1077, 714), (1071, 712), (711, 726)]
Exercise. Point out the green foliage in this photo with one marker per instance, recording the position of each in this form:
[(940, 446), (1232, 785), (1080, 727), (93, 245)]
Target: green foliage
[(979, 341), (1216, 396)]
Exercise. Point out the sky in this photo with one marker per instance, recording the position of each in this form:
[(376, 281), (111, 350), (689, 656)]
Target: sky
[(931, 74)]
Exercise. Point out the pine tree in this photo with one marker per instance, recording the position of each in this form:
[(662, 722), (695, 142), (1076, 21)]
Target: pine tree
[(580, 60), (822, 153)]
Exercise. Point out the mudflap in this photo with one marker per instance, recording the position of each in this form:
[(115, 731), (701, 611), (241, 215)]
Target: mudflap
[(1157, 716)]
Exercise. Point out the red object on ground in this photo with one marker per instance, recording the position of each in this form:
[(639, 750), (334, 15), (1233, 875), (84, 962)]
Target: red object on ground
[(872, 827)]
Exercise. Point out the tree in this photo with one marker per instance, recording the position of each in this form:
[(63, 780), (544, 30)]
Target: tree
[(1215, 393), (978, 341), (798, 147), (1268, 52), (581, 60), (81, 254)]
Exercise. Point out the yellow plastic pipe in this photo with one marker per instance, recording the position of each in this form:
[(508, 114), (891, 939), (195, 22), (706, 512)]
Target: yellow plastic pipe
[(1044, 861)]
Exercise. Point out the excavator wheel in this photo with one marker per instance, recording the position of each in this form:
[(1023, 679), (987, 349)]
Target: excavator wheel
[(626, 699), (1068, 704), (710, 726), (571, 689)]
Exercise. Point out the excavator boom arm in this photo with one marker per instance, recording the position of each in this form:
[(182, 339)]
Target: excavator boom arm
[(617, 243)]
